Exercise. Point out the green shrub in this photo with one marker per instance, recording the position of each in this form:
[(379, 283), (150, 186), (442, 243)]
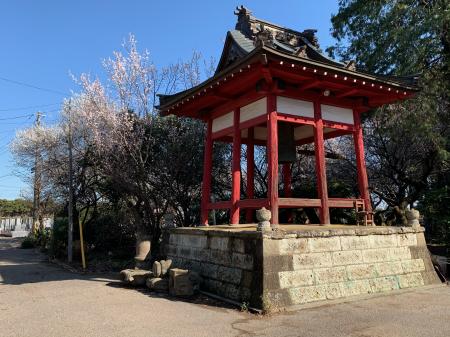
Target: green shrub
[(28, 242)]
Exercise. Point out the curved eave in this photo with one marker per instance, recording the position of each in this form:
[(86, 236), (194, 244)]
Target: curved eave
[(355, 74), (274, 55)]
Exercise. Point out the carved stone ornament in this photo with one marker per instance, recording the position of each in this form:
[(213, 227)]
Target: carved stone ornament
[(413, 216), (263, 216)]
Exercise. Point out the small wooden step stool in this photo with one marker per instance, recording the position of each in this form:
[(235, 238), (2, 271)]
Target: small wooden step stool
[(363, 217)]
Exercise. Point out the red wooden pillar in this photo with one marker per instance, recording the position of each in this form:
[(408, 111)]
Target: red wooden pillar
[(272, 157), (287, 178), (207, 167), (236, 169), (320, 165), (363, 182), (250, 172)]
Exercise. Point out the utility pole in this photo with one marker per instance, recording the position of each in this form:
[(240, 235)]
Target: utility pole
[(37, 181), (70, 210)]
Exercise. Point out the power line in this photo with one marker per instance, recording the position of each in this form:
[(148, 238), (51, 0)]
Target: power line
[(29, 107), (32, 86), (17, 117)]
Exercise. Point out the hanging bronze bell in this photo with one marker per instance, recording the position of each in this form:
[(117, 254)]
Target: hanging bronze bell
[(286, 143)]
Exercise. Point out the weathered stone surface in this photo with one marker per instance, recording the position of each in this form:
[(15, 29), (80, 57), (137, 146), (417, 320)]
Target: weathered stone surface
[(352, 288), (158, 284), (157, 269), (399, 253), (220, 257), (361, 271), (228, 274), (332, 291), (219, 243), (238, 245), (411, 266), (354, 242), (135, 277), (324, 244), (413, 216), (382, 241), (293, 246), (388, 268), (407, 239), (376, 255), (312, 260), (165, 266), (243, 261), (209, 270), (347, 257), (381, 284), (182, 282), (330, 275), (198, 241), (297, 278), (410, 280), (307, 294)]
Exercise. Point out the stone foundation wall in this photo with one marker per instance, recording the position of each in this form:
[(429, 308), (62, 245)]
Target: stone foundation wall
[(281, 269), (310, 266), (230, 263)]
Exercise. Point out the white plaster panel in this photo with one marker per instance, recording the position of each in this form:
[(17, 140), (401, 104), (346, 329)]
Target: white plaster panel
[(253, 110), (336, 114), (222, 122), (303, 132), (295, 107)]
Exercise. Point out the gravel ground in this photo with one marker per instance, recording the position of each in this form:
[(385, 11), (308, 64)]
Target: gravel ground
[(40, 299)]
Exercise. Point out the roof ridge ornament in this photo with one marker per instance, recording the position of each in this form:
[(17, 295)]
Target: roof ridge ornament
[(246, 22)]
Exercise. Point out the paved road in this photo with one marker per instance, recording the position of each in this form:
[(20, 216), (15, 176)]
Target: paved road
[(42, 300)]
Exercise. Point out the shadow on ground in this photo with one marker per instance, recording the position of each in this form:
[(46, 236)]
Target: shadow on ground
[(25, 266)]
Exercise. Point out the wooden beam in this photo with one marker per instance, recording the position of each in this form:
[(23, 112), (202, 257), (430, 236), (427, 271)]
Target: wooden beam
[(298, 202), (347, 93), (272, 157), (308, 85), (236, 169), (320, 165), (363, 182), (253, 203), (328, 135)]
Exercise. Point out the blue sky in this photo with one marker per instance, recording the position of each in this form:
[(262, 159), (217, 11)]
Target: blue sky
[(42, 41)]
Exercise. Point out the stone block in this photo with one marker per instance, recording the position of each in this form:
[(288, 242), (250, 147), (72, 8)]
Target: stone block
[(330, 275), (352, 288), (135, 277), (246, 279), (347, 257), (171, 250), (197, 241), (389, 268), (400, 253), (200, 254), (332, 291), (297, 278), (293, 246), (386, 283), (220, 257), (230, 275), (376, 255), (409, 239), (354, 242), (275, 263), (182, 282), (312, 260), (219, 243), (411, 266), (158, 284), (271, 247), (238, 245), (243, 261), (175, 239), (410, 280), (209, 270), (324, 244), (307, 294), (383, 241), (361, 271)]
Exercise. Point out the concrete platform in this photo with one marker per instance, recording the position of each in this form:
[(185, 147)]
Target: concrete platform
[(299, 264)]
